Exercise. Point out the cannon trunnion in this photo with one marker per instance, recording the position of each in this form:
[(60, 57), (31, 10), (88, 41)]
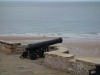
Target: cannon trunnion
[(35, 50)]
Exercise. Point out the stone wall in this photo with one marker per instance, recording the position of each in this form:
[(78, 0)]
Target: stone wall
[(20, 48), (11, 47), (67, 63), (83, 67)]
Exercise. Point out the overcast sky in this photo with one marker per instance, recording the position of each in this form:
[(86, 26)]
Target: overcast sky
[(49, 0)]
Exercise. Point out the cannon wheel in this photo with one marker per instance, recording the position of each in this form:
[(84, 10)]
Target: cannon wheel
[(42, 55), (24, 55), (33, 56)]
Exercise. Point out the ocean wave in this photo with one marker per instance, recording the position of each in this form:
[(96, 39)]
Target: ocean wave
[(53, 35)]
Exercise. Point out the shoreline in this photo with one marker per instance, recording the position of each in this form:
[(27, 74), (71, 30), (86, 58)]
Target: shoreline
[(81, 46)]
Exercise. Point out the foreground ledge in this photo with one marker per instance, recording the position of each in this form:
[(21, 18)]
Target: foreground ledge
[(61, 59)]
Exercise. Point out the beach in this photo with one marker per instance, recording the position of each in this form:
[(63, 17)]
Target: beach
[(77, 45), (83, 46), (11, 64)]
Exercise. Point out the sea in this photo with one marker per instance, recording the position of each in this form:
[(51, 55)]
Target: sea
[(54, 18)]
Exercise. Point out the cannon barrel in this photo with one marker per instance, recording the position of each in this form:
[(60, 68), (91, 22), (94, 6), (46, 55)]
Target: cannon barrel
[(43, 43)]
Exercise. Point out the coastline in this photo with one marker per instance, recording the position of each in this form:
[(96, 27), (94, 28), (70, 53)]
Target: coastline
[(77, 45)]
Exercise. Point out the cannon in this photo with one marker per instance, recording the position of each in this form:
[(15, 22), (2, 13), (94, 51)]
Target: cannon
[(35, 50)]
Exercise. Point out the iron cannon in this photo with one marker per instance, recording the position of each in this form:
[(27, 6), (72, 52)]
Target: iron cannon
[(35, 50)]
